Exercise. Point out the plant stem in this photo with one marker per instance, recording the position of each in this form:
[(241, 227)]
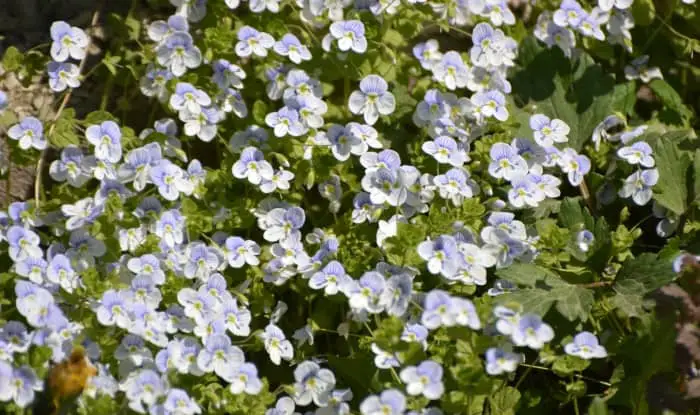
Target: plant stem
[(578, 376), (586, 194)]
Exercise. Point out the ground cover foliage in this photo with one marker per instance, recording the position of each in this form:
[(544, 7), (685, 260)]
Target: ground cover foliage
[(357, 207)]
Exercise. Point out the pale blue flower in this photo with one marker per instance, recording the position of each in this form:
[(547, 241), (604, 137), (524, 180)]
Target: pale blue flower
[(188, 99), (532, 332), (68, 41), (424, 379), (372, 99), (219, 355), (227, 74), (569, 14), (639, 186), (490, 104), (349, 34), (253, 42), (638, 153), (276, 344), (63, 75), (389, 402), (291, 47), (159, 30), (312, 384), (500, 361), (331, 278), (452, 71), (170, 180), (286, 121), (106, 138), (428, 53), (586, 346), (438, 310), (244, 379), (29, 132), (178, 53), (252, 166)]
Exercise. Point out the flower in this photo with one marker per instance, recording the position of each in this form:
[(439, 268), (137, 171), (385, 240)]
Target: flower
[(607, 5), (68, 41), (548, 131), (63, 75), (638, 153), (179, 402), (29, 132), (160, 29), (372, 99), (227, 75), (286, 121), (244, 378), (252, 166), (219, 356), (638, 185), (500, 361), (441, 255), (438, 310), (170, 180), (350, 35), (446, 151), (312, 384), (18, 384), (569, 14), (532, 332), (253, 42), (574, 165), (586, 346), (452, 71), (389, 402), (424, 379), (276, 344), (428, 53), (178, 53), (106, 138), (638, 69), (506, 163), (490, 103), (291, 47), (189, 100), (331, 278)]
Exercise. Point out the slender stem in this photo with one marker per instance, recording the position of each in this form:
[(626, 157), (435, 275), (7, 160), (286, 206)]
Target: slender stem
[(596, 284), (66, 98), (576, 375), (586, 194), (528, 369), (8, 180)]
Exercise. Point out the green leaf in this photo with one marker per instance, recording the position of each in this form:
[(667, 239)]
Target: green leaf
[(671, 191), (598, 407), (525, 274), (259, 112), (629, 298), (646, 269), (12, 59), (579, 92), (671, 100), (573, 302), (533, 300), (64, 133), (504, 401), (568, 365), (98, 117)]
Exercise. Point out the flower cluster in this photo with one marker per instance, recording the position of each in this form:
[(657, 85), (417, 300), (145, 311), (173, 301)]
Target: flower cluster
[(360, 207)]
